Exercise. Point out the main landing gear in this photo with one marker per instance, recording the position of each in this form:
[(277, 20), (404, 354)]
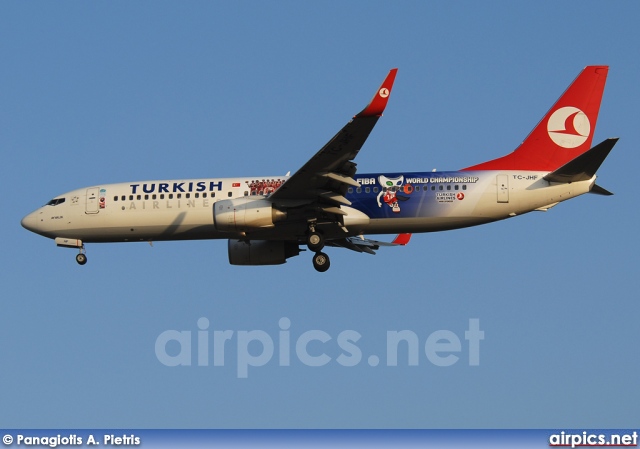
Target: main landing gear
[(315, 243), (321, 262)]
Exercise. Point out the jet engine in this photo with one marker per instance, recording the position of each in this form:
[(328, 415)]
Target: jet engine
[(261, 252), (245, 214)]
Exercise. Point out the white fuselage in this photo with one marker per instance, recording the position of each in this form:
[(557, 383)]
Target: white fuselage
[(182, 209)]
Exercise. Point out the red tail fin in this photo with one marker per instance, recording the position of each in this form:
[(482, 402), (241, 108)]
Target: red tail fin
[(565, 132)]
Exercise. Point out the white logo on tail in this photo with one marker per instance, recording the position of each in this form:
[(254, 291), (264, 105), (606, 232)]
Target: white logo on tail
[(384, 92), (569, 127)]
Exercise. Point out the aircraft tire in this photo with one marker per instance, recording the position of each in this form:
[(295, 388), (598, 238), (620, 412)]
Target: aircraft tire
[(315, 241), (321, 262), (81, 259)]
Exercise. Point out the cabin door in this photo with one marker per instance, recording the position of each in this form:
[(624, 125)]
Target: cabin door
[(503, 188), (92, 204)]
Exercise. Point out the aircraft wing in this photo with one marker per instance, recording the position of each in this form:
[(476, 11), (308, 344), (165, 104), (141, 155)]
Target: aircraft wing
[(363, 245), (327, 175)]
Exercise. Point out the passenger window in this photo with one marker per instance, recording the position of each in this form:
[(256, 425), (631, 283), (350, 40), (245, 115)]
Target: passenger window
[(171, 196), (115, 198), (449, 187), (359, 190), (146, 197), (464, 187), (162, 196), (197, 195), (153, 197), (440, 188), (375, 190), (367, 190), (229, 194), (138, 197), (456, 187), (350, 190), (130, 197), (187, 195)]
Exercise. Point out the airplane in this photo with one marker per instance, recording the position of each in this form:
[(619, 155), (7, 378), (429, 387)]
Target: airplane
[(326, 203)]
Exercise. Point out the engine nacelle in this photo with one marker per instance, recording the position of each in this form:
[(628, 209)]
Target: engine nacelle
[(261, 252), (245, 214)]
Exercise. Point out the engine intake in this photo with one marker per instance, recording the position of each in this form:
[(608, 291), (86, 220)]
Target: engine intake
[(245, 214)]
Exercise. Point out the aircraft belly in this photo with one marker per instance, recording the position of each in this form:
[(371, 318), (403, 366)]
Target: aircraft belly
[(423, 224), (126, 226), (145, 233)]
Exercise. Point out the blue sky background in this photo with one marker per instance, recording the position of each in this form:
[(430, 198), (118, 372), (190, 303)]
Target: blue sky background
[(101, 92)]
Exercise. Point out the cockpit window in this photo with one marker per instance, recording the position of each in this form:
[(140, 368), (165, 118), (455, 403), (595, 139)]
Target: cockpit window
[(55, 201)]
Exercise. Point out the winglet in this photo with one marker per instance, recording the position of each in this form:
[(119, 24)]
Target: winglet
[(380, 99), (402, 239)]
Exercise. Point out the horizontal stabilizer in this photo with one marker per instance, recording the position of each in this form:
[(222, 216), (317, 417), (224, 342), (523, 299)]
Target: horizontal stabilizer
[(584, 166), (600, 191)]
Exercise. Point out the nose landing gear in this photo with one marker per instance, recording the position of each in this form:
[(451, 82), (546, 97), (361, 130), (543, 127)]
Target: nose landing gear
[(65, 242), (81, 258)]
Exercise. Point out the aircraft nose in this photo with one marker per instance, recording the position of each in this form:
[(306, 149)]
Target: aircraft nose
[(29, 222)]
